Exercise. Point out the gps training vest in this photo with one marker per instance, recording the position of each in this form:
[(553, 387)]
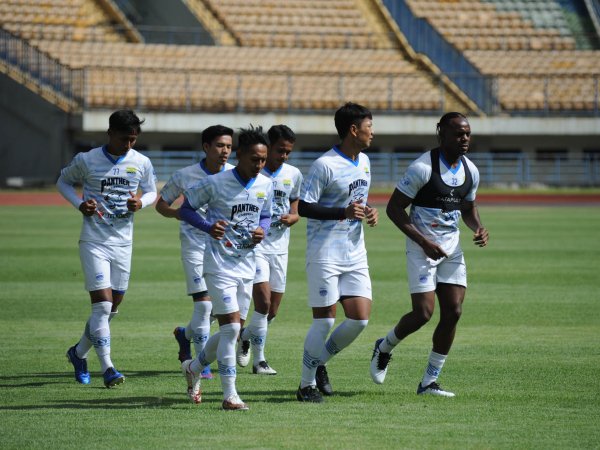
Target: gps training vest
[(437, 194)]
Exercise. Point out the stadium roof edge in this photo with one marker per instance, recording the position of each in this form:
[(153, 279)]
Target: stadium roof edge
[(317, 124)]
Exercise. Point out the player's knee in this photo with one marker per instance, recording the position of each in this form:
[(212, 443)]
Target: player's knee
[(423, 315)]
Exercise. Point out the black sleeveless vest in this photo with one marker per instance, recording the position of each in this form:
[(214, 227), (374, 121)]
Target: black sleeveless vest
[(437, 194)]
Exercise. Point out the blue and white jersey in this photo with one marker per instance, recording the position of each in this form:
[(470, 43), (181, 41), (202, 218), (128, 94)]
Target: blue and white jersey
[(110, 182), (441, 227), (335, 181), (192, 239), (241, 204), (287, 181)]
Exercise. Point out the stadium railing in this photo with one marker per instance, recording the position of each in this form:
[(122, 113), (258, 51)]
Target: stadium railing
[(425, 39), (505, 169)]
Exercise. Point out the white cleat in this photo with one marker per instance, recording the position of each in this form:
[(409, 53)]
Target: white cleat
[(193, 382), (434, 389), (234, 403), (379, 363), (242, 354), (263, 368)]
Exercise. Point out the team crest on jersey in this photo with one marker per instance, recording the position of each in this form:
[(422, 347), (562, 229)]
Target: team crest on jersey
[(367, 169), (287, 182), (131, 170), (261, 195)]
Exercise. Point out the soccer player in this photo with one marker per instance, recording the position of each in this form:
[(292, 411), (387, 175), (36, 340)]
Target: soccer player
[(272, 253), (440, 186), (238, 211), (111, 176), (216, 143), (334, 199)]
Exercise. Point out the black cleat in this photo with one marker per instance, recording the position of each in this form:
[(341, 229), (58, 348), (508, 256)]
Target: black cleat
[(309, 394), (323, 383)]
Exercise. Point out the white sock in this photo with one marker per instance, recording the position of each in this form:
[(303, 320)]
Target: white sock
[(434, 367), (208, 354), (342, 337), (198, 329), (226, 357), (85, 344), (257, 333), (313, 347), (100, 333), (389, 342)]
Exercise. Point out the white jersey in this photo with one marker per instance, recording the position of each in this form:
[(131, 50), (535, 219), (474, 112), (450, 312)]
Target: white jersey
[(110, 182), (192, 239), (241, 204), (287, 181), (335, 181), (441, 227)]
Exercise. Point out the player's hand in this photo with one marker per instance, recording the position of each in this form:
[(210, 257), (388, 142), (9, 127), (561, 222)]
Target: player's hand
[(481, 237), (258, 235), (217, 231), (88, 208), (372, 215), (355, 210), (432, 250), (133, 204), (289, 219)]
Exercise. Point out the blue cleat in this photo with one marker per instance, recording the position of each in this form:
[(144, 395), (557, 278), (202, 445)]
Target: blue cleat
[(112, 377), (206, 373), (185, 350), (79, 365)]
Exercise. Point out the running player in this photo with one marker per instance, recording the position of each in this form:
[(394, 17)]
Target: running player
[(216, 143), (111, 176), (334, 199), (441, 185), (238, 211), (272, 253)]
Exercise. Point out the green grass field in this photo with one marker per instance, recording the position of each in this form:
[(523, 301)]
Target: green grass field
[(524, 364)]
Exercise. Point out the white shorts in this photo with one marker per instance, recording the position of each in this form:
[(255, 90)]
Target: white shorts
[(424, 273), (105, 266), (272, 268), (328, 282), (229, 294), (193, 266)]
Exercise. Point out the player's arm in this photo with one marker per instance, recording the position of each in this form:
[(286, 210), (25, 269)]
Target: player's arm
[(64, 184), (292, 216), (470, 215), (354, 210), (164, 208), (148, 188), (190, 215), (396, 211), (372, 215)]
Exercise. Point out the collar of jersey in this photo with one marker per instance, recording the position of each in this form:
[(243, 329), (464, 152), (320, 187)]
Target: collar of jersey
[(346, 157), (273, 174), (247, 185), (110, 158), (454, 170), (203, 167)]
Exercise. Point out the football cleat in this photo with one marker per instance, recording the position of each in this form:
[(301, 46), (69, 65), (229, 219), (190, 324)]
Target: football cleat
[(263, 368), (234, 403), (193, 382), (309, 394), (379, 363), (322, 379), (206, 373), (242, 354), (112, 377), (185, 350), (79, 366), (433, 389)]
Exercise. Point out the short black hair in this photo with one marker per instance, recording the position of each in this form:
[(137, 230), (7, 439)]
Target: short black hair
[(445, 120), (251, 136), (211, 133), (125, 120), (348, 115), (281, 131)]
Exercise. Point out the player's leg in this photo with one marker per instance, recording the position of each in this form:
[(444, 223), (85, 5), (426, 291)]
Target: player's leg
[(421, 283), (450, 290), (277, 282), (323, 295)]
